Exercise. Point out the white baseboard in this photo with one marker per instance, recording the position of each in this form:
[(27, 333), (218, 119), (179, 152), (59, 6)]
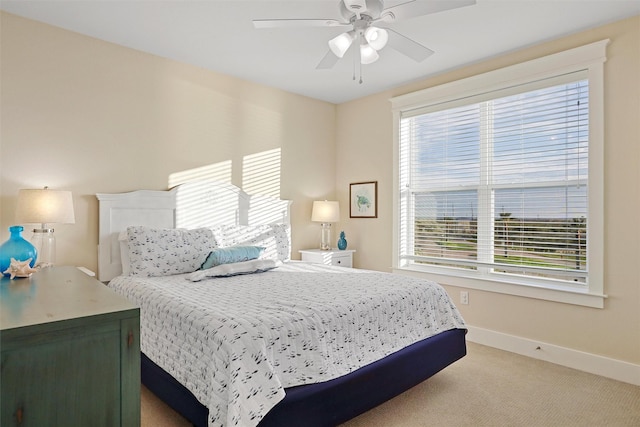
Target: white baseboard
[(587, 362)]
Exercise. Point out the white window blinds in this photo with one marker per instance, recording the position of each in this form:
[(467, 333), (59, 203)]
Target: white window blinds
[(497, 183)]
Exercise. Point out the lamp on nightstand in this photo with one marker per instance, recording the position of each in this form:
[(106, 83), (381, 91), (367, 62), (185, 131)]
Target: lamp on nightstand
[(325, 212), (45, 207)]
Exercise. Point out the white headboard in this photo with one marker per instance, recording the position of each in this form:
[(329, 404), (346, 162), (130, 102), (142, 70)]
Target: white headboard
[(190, 205)]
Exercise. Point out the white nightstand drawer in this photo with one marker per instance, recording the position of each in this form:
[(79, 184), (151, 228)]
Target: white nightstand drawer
[(343, 260), (330, 257)]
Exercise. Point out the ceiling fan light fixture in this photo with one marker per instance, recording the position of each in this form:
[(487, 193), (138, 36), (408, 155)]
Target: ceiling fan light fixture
[(376, 37), (340, 44), (368, 55)]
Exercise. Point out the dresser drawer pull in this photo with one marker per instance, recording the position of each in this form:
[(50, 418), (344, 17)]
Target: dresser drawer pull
[(130, 339), (19, 415)]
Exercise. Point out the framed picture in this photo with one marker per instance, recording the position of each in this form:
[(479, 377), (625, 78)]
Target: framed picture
[(363, 200)]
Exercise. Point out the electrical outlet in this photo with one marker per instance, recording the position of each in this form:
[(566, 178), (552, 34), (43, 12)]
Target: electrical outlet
[(464, 297)]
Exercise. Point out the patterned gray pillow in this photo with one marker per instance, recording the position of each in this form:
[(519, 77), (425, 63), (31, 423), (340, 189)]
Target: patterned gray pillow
[(163, 252)]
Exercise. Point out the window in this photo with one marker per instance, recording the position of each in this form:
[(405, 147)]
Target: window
[(499, 179)]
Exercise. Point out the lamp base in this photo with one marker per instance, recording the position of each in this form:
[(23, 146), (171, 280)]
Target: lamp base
[(45, 242), (326, 237)]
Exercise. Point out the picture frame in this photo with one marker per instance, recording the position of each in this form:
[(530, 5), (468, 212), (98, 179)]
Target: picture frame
[(363, 199)]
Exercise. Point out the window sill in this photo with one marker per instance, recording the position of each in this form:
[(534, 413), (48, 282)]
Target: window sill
[(567, 296)]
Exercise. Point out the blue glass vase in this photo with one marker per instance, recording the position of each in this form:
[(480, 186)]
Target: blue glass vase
[(16, 247), (342, 242)]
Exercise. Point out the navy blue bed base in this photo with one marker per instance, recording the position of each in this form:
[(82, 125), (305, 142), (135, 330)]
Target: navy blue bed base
[(335, 401)]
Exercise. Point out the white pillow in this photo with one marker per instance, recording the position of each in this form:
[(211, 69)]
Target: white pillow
[(275, 238), (163, 252), (123, 241), (236, 268)]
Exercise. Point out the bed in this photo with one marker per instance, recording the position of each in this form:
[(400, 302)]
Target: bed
[(263, 340)]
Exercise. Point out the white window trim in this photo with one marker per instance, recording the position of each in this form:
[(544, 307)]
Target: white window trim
[(589, 58)]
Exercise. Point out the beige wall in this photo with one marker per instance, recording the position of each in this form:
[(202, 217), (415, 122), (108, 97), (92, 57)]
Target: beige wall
[(364, 153), (88, 116)]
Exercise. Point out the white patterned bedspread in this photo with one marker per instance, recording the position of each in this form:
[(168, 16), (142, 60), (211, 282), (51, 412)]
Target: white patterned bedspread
[(237, 342)]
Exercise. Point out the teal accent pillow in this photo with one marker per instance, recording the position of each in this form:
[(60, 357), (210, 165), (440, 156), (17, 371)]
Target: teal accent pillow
[(231, 255)]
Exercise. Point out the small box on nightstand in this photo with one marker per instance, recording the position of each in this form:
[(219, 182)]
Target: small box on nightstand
[(329, 257)]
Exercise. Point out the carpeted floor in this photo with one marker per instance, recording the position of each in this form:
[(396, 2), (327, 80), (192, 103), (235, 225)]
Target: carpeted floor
[(488, 387)]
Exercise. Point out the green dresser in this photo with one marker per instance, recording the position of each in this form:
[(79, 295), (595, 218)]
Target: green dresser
[(70, 352)]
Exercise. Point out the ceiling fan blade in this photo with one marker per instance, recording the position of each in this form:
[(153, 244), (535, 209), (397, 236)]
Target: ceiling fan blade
[(328, 61), (414, 8), (292, 23), (408, 47)]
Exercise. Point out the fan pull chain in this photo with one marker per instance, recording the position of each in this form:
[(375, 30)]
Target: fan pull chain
[(357, 58), (360, 65), (354, 65)]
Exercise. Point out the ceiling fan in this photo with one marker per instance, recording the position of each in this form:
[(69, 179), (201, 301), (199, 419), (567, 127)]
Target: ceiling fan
[(361, 15)]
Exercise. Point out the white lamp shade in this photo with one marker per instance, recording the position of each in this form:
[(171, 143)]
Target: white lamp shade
[(45, 207), (376, 37), (368, 54), (340, 44), (325, 211)]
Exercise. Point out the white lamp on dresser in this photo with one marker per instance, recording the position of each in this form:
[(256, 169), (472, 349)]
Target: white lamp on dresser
[(45, 207), (325, 212)]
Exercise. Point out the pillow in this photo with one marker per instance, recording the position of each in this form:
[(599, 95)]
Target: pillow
[(275, 238), (282, 233), (230, 255), (123, 240), (163, 252), (235, 269)]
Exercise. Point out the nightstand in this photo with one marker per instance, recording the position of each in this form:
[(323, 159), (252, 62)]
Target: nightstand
[(330, 257)]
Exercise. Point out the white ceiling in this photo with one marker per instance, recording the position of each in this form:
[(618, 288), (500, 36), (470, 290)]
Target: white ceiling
[(219, 35)]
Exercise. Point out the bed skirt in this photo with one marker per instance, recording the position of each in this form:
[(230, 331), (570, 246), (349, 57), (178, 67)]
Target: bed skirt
[(332, 402)]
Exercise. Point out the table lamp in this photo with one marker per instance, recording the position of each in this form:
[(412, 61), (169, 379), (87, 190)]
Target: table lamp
[(325, 212), (45, 207)]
